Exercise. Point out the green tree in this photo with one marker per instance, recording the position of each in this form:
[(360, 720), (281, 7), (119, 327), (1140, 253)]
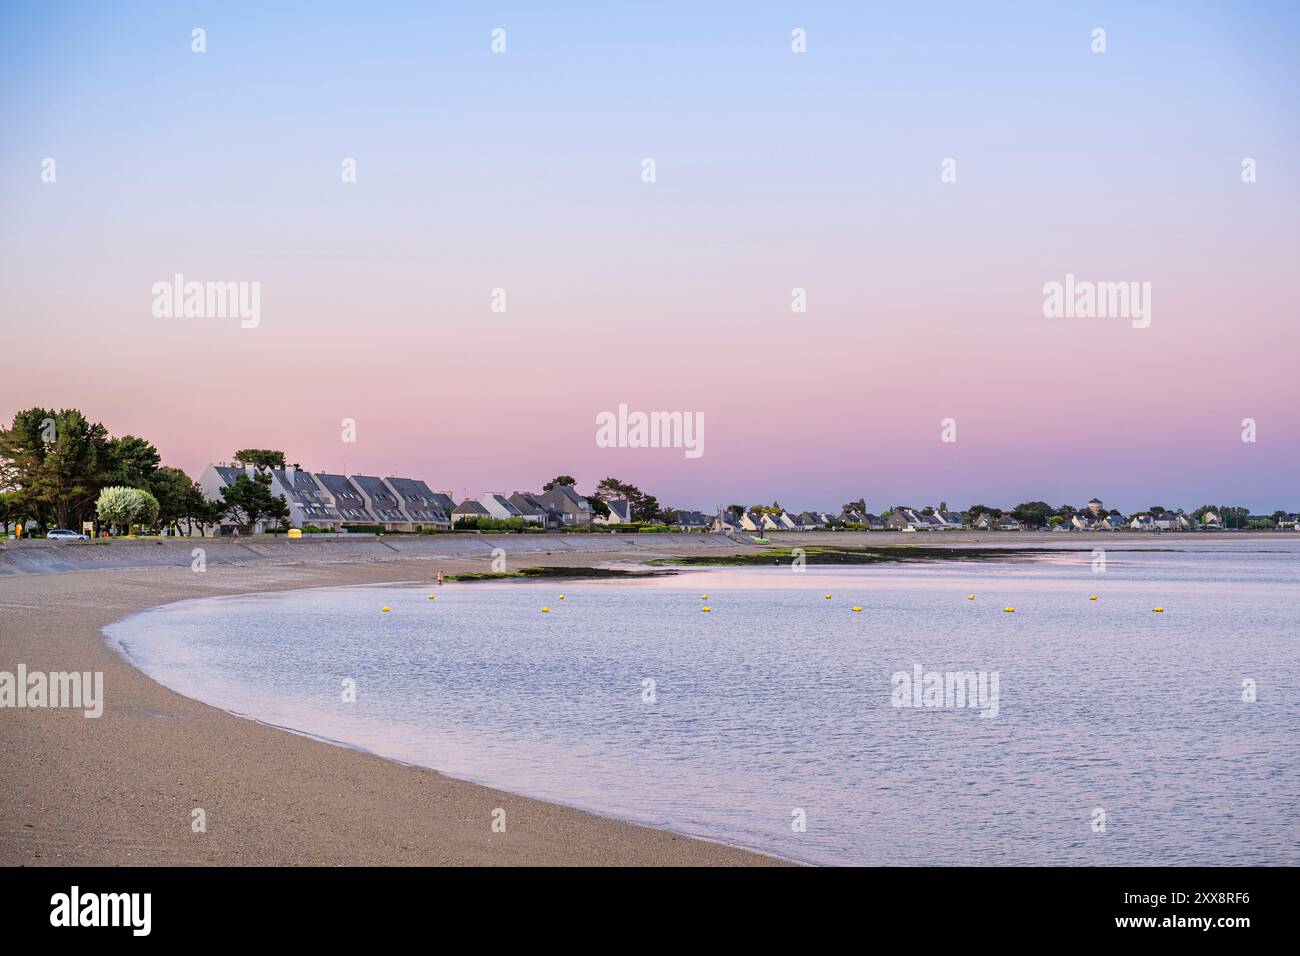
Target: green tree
[(250, 500), (1032, 514), (199, 510), (59, 460), (261, 457), (121, 507), (12, 509), (643, 507), (560, 480), (172, 487), (131, 461)]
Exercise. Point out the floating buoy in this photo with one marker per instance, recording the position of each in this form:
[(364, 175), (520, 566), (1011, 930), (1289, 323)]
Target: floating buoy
[(546, 610), (828, 597), (704, 597), (1093, 598), (706, 608), (385, 609), (1158, 610), (1009, 610), (856, 608), (433, 597), (970, 597), (561, 597)]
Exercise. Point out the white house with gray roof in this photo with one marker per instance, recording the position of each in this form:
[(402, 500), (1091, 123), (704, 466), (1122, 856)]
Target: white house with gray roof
[(572, 508), (425, 508), (346, 498), (382, 503)]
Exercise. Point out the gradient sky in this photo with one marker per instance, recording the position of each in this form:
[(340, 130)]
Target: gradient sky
[(775, 170)]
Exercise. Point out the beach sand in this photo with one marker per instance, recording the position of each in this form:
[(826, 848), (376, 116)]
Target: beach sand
[(119, 789)]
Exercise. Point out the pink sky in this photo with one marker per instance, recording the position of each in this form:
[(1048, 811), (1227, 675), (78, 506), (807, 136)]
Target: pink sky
[(924, 298)]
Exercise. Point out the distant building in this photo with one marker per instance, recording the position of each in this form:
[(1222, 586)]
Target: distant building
[(382, 503), (469, 508), (345, 497), (424, 507), (532, 510), (573, 509), (498, 506), (691, 520), (308, 502), (1096, 507), (620, 512)]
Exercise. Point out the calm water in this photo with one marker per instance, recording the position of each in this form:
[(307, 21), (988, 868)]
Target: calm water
[(780, 700)]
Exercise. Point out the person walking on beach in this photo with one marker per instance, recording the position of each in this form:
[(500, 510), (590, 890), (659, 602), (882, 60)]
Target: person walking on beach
[(439, 579)]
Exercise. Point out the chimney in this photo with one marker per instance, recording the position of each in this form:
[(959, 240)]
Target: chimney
[(291, 472)]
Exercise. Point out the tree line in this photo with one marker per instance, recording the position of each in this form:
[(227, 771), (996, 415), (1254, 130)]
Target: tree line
[(61, 470)]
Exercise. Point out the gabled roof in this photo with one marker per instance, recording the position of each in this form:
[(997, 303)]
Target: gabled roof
[(470, 507), (564, 497), (503, 502), (382, 502), (418, 500), (620, 508), (347, 499), (527, 504)]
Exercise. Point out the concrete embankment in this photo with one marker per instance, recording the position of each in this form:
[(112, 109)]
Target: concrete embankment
[(44, 557)]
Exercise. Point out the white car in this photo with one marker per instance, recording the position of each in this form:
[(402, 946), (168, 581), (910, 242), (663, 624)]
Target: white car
[(63, 534)]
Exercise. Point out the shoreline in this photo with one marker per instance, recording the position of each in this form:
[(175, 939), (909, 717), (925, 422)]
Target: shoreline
[(120, 789)]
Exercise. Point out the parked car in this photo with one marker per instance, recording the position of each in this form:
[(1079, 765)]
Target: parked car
[(63, 534)]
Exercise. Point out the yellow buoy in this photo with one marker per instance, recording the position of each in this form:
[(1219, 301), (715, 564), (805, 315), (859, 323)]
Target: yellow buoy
[(1009, 610), (1093, 598), (704, 597), (1158, 610), (385, 608), (828, 597), (561, 597), (433, 597), (970, 597), (706, 608), (856, 608), (546, 610)]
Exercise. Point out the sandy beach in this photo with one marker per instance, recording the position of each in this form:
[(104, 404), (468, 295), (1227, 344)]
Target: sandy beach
[(119, 790)]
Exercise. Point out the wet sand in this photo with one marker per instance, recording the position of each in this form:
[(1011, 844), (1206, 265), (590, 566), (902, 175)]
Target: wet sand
[(120, 789)]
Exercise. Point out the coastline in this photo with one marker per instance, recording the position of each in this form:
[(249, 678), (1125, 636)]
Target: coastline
[(119, 790)]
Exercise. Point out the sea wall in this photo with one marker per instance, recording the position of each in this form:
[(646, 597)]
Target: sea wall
[(45, 557)]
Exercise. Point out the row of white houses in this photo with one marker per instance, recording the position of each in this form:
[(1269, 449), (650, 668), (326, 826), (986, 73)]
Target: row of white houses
[(329, 502), (939, 519)]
